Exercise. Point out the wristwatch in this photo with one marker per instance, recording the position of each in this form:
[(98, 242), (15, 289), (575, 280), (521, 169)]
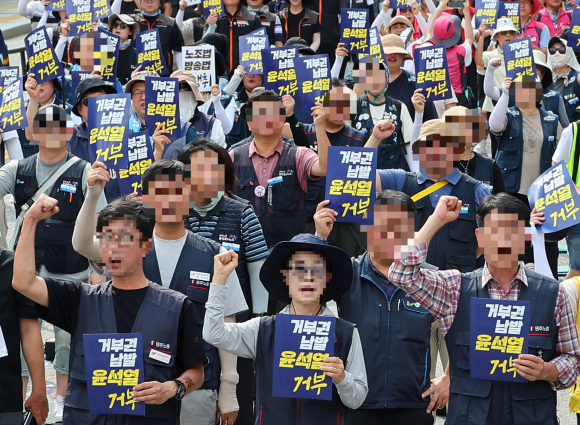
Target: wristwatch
[(180, 390)]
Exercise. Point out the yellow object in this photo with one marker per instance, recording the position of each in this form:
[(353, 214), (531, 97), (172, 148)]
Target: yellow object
[(429, 190), (575, 390)]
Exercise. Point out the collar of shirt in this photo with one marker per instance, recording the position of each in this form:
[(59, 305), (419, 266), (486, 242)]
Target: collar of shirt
[(325, 311), (219, 207), (452, 178), (253, 150), (486, 276)]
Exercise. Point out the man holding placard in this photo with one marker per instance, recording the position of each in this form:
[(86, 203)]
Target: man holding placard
[(552, 342)]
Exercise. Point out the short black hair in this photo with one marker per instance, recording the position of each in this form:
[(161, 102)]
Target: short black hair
[(337, 82), (163, 166), (260, 94), (202, 145), (506, 204), (131, 209), (394, 197)]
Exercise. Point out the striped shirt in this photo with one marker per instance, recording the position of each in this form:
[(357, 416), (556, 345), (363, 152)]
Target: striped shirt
[(438, 291), (253, 242)]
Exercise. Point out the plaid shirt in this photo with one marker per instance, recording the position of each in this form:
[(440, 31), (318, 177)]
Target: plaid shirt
[(438, 291)]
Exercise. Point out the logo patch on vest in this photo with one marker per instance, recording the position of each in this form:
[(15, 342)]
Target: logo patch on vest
[(160, 345), (464, 209), (539, 329), (199, 280), (232, 246), (550, 118), (159, 356), (227, 238), (241, 23), (285, 173), (70, 187)]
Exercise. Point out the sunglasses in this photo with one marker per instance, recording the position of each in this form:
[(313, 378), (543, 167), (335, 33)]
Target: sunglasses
[(561, 49), (121, 25), (85, 101)]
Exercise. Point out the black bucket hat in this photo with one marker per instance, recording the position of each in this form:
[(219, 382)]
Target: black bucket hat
[(337, 262), (88, 85)]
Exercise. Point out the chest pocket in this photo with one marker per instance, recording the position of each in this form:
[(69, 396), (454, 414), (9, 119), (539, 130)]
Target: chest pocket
[(414, 321), (389, 155), (462, 350), (199, 297), (285, 193)]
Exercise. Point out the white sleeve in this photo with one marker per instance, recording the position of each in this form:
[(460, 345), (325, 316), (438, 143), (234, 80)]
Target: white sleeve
[(59, 48), (217, 134), (407, 127), (335, 71), (178, 61), (43, 21), (417, 124), (179, 20), (225, 117), (382, 19), (235, 302), (12, 143), (489, 88), (25, 9), (116, 7), (423, 25), (468, 54), (497, 119), (259, 293), (234, 82), (564, 147)]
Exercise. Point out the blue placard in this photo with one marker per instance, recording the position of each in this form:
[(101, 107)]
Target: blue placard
[(139, 156), (107, 41), (350, 183), (405, 36), (42, 60), (56, 5), (374, 46), (486, 13), (149, 53), (162, 106), (432, 72), (519, 59), (301, 344), (251, 47), (213, 6), (314, 80), (401, 4), (574, 34), (354, 33), (554, 194), (101, 10), (510, 10), (114, 365), (108, 125), (279, 69), (12, 110), (499, 334), (80, 16), (9, 74), (77, 77)]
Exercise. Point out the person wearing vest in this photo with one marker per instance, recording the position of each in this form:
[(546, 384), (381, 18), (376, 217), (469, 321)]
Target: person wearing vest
[(269, 19), (553, 358), (565, 68), (127, 29), (555, 17), (572, 288), (285, 276), (272, 175), (299, 21), (223, 106), (34, 10), (127, 303), (346, 236), (182, 261), (53, 251), (395, 331), (230, 221), (192, 23), (538, 32), (375, 105)]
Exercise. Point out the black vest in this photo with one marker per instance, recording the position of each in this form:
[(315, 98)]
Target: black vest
[(395, 334), (53, 238), (484, 171), (294, 411), (268, 20), (196, 256), (454, 246), (286, 216), (478, 401), (157, 320)]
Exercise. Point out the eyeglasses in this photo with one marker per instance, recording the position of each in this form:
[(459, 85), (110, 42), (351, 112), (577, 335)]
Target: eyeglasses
[(122, 241), (561, 49), (137, 94), (301, 271), (121, 25), (184, 87)]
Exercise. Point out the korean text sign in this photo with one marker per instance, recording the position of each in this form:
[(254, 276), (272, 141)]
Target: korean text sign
[(314, 77), (375, 47), (574, 35), (553, 193), (9, 73), (279, 69), (402, 4), (42, 60), (139, 153), (213, 6), (199, 60), (301, 344), (80, 16), (106, 41), (519, 60), (486, 13), (56, 5), (149, 53), (354, 24), (499, 334), (108, 127), (12, 111), (350, 183), (114, 365), (251, 47), (511, 10), (101, 9), (432, 72), (162, 106), (77, 77)]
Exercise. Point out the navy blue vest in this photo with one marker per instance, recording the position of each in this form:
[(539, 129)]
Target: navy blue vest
[(283, 214), (196, 256), (53, 237), (239, 129), (395, 334), (477, 401), (484, 170), (454, 246), (157, 320), (510, 146), (391, 154), (551, 101), (172, 149), (571, 96), (294, 411), (203, 123)]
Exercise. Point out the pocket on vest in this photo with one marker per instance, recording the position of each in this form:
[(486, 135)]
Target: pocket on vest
[(77, 370), (462, 262), (462, 343), (414, 322), (463, 229), (59, 255), (509, 165)]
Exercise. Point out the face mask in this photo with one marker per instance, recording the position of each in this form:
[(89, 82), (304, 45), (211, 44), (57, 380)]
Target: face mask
[(558, 59), (125, 44), (187, 105)]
